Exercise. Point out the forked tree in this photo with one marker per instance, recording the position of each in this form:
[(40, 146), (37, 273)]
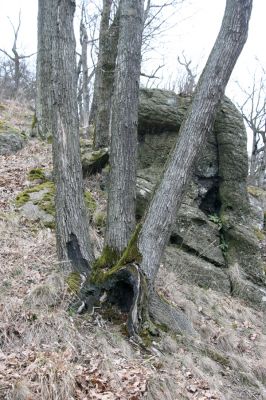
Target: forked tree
[(138, 266), (128, 279)]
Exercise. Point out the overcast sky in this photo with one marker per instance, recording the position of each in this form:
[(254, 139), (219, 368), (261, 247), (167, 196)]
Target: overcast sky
[(193, 29)]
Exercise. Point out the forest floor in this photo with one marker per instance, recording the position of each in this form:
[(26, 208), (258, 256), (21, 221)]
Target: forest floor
[(49, 353)]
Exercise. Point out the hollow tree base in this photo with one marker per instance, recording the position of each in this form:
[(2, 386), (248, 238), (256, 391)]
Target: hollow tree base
[(128, 290)]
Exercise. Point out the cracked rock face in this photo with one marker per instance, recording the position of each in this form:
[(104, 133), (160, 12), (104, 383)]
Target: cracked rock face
[(205, 241)]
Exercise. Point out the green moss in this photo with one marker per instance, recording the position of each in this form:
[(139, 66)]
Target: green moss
[(99, 219), (73, 282), (45, 185), (260, 235), (46, 203), (34, 121), (146, 337), (110, 260), (107, 259), (36, 173), (89, 201), (131, 253), (49, 224), (218, 357), (3, 125), (49, 138), (22, 199), (255, 191)]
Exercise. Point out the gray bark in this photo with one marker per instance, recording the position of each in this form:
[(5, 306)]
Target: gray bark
[(131, 281), (46, 32), (105, 72), (157, 225), (84, 110), (123, 152), (73, 243)]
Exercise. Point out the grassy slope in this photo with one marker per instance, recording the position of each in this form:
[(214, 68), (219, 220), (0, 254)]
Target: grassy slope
[(47, 353)]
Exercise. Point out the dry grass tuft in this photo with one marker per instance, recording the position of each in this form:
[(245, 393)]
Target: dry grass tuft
[(46, 353)]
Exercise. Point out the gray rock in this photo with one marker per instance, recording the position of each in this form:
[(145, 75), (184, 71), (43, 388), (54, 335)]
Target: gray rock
[(33, 212), (216, 211), (194, 231), (195, 270), (10, 142)]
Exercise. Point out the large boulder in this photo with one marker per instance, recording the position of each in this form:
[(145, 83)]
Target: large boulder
[(213, 234)]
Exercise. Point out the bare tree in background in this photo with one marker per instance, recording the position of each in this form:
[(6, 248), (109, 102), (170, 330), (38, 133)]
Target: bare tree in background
[(188, 83), (253, 110), (84, 78), (46, 32), (105, 72), (16, 59)]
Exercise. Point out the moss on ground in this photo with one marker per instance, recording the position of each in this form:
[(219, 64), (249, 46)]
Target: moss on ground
[(73, 282), (90, 202), (36, 173), (22, 198)]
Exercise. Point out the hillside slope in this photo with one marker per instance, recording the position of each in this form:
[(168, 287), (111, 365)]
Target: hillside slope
[(48, 353)]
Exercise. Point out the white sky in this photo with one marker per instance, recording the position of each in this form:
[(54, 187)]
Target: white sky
[(196, 23), (194, 28)]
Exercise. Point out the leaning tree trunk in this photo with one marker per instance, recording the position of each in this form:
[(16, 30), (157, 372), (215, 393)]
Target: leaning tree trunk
[(46, 32), (123, 151), (139, 264), (105, 73), (72, 232)]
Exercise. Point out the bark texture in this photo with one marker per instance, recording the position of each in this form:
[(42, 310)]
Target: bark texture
[(104, 80), (84, 112), (72, 234), (123, 152), (195, 128), (46, 32), (132, 277)]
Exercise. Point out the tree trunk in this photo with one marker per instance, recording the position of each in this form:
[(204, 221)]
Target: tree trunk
[(104, 81), (123, 152), (84, 110), (46, 32), (139, 264), (72, 234), (103, 32)]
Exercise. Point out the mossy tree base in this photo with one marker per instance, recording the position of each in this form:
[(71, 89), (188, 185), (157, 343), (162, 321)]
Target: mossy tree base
[(127, 289)]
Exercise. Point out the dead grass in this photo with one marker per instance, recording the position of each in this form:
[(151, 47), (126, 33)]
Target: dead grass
[(46, 353)]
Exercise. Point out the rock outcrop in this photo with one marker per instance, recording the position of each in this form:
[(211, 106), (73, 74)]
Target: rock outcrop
[(213, 241)]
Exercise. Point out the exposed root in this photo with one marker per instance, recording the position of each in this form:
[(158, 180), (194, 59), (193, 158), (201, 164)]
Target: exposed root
[(127, 289)]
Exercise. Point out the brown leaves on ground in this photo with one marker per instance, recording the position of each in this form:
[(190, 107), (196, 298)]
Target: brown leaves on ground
[(46, 353)]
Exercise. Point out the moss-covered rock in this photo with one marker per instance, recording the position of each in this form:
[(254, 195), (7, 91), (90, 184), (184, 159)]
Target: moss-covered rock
[(218, 187), (37, 203), (93, 160)]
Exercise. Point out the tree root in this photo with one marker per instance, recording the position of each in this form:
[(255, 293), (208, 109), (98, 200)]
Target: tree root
[(128, 290)]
